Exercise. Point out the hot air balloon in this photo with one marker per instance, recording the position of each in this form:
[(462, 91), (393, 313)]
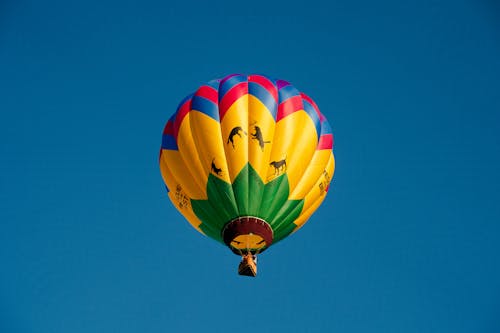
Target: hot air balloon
[(246, 160)]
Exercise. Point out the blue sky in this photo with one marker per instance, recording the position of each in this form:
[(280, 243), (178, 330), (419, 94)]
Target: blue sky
[(407, 240)]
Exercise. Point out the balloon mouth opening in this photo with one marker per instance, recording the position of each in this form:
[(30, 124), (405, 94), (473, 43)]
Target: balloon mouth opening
[(247, 234)]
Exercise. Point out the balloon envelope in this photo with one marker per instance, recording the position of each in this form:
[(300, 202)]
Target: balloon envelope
[(247, 160)]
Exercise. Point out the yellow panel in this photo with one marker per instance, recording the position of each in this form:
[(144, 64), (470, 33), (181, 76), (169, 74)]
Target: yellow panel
[(173, 160), (317, 194), (189, 154), (209, 144), (259, 153), (321, 185), (235, 118), (295, 142), (166, 174), (178, 195), (314, 170)]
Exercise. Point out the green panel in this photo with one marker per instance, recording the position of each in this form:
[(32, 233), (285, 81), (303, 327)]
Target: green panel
[(248, 183), (220, 207), (255, 191), (274, 197), (211, 224), (220, 194), (212, 233), (290, 210), (283, 224), (240, 190), (283, 232), (267, 201)]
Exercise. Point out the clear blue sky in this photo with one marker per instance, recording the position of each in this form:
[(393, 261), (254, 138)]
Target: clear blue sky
[(408, 239)]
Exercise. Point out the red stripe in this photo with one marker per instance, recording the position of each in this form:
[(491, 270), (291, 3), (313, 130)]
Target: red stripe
[(232, 96), (169, 128), (289, 106), (181, 113), (325, 142), (266, 83), (315, 106), (208, 93)]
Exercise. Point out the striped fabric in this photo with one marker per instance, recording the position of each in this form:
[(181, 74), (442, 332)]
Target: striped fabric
[(247, 145)]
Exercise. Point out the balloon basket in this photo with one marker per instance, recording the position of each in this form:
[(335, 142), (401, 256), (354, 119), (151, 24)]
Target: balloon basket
[(248, 266)]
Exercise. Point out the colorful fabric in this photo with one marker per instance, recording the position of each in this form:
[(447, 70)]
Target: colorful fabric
[(247, 146)]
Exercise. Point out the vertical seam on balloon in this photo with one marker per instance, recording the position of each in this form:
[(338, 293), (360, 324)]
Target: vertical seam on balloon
[(198, 147), (191, 174), (273, 148), (261, 196), (277, 225), (219, 99), (305, 174), (224, 146), (302, 178)]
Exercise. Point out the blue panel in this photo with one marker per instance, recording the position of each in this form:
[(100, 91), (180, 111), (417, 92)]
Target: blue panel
[(169, 142), (229, 83), (325, 127), (214, 84), (264, 96), (287, 92), (311, 112), (205, 106)]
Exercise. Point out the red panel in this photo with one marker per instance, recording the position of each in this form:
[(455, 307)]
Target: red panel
[(181, 113), (325, 142), (208, 93), (232, 96), (264, 82), (289, 106), (169, 128)]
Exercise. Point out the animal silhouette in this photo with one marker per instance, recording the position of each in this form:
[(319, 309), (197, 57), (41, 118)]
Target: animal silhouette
[(216, 170), (235, 131), (279, 166), (259, 137)]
